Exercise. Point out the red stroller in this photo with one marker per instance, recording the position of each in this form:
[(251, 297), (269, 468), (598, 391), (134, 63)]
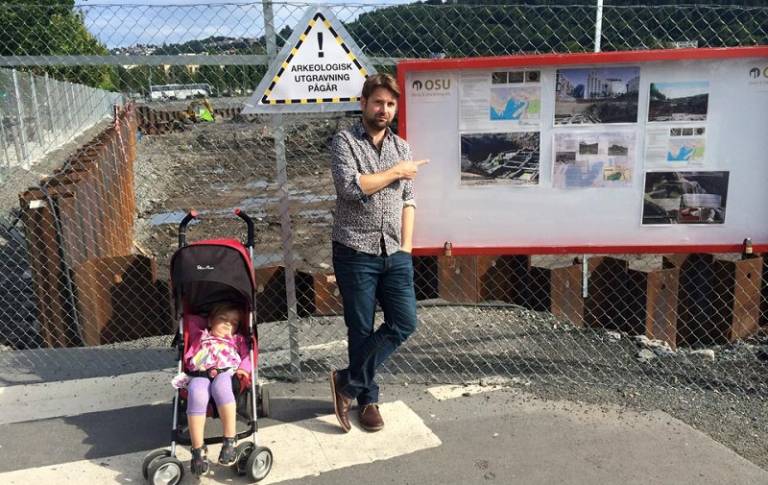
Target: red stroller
[(202, 274)]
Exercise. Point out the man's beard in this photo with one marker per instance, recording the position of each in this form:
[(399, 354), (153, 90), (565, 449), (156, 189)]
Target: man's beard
[(375, 122)]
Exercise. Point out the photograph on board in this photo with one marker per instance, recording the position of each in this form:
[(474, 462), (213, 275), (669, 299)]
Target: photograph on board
[(597, 95), (593, 159), (678, 101), (685, 197), (508, 158)]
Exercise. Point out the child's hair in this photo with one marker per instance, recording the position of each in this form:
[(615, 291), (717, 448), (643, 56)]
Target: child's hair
[(224, 307)]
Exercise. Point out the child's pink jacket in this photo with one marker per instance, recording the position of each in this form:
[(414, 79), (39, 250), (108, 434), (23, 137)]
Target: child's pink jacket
[(195, 327)]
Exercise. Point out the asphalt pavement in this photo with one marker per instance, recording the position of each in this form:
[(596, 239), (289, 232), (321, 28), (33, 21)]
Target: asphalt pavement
[(433, 435)]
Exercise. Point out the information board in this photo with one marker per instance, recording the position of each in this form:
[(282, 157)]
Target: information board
[(634, 149)]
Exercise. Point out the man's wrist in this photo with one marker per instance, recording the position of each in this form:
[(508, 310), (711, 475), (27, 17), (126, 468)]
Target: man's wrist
[(394, 172)]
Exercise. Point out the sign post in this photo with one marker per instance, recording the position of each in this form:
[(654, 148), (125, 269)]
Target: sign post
[(320, 69)]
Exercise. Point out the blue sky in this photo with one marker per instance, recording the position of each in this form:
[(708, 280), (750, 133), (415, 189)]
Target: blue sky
[(683, 89), (120, 24)]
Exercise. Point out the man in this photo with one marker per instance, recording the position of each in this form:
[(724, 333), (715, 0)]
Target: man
[(372, 240)]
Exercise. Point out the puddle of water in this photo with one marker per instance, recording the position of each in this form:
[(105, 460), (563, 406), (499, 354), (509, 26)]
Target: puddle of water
[(174, 217), (257, 201), (253, 206), (253, 214), (310, 197), (316, 214), (261, 260), (301, 197), (258, 184)]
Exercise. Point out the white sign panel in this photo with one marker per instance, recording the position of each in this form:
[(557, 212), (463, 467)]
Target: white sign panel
[(320, 68), (642, 152)]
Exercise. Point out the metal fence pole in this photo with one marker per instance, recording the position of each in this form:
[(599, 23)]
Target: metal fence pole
[(585, 257), (75, 109), (598, 25), (49, 105), (17, 144), (22, 139), (36, 112), (69, 106), (4, 139), (284, 195)]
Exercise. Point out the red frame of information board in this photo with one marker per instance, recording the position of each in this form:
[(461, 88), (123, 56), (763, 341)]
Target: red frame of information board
[(575, 59)]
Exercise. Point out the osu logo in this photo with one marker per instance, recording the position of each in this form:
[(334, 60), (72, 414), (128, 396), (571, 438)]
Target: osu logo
[(754, 73), (431, 85)]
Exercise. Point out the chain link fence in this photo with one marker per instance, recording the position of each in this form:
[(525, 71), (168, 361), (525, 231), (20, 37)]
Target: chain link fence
[(85, 250), (39, 114)]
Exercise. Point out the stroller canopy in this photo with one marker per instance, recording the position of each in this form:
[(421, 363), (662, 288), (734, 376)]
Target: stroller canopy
[(208, 272)]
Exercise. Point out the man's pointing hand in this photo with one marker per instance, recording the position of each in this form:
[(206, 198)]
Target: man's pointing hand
[(407, 169)]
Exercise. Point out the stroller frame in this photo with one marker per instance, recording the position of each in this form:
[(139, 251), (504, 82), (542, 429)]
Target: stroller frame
[(252, 459)]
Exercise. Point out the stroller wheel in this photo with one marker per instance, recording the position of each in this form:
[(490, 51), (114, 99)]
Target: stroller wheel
[(259, 463), (243, 451), (152, 456), (165, 471)]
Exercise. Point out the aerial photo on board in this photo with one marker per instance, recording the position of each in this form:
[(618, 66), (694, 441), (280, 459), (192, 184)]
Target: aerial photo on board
[(511, 158)]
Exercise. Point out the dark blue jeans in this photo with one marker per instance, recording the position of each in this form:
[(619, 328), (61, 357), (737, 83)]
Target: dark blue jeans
[(364, 279)]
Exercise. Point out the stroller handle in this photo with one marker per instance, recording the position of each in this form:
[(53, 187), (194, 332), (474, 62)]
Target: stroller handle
[(242, 215), (183, 227)]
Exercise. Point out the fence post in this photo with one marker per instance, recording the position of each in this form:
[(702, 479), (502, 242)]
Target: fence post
[(36, 110), (599, 25), (24, 160), (50, 106), (70, 107), (4, 139), (286, 230), (75, 109), (17, 144), (598, 42)]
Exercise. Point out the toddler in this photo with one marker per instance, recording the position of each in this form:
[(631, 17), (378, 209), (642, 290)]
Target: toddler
[(214, 356)]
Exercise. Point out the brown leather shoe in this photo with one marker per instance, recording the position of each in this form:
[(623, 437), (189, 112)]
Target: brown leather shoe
[(370, 418), (341, 405)]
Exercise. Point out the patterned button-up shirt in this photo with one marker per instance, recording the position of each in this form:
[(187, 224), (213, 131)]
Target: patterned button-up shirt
[(361, 221)]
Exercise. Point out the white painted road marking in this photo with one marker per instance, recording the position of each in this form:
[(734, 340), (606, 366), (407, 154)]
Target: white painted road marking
[(452, 391), (300, 449)]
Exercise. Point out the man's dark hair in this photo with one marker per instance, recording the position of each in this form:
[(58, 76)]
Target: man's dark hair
[(372, 83)]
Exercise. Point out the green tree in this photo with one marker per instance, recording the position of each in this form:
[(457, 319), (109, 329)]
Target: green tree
[(57, 28), (181, 75)]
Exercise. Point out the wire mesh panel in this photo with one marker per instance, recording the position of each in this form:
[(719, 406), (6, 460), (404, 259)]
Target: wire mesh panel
[(92, 196)]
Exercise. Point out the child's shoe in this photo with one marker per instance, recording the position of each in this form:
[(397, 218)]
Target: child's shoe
[(199, 464), (228, 453)]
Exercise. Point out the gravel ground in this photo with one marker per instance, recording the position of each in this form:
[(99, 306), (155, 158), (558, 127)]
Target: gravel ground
[(726, 398), (215, 168)]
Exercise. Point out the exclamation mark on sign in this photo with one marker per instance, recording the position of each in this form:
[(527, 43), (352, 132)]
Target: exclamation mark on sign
[(320, 44)]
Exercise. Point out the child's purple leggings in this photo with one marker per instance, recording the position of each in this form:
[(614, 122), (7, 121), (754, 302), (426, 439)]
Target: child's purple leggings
[(200, 390)]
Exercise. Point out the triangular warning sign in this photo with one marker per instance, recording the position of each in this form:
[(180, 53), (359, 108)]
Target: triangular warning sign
[(320, 68)]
